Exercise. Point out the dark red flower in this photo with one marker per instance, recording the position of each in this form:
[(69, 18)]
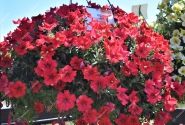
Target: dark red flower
[(90, 116), (115, 51), (90, 72), (106, 110), (60, 85), (132, 67), (112, 81), (38, 107), (69, 38), (67, 74), (65, 101), (121, 120), (5, 61), (126, 71), (179, 89), (145, 67), (133, 97), (143, 50), (17, 89), (47, 26), (84, 103), (133, 18), (45, 66), (134, 109), (98, 84), (3, 82), (76, 63), (153, 94), (122, 96), (104, 121), (51, 78), (162, 118), (81, 122), (23, 47), (83, 42), (133, 120), (39, 71), (170, 103), (40, 42), (36, 86)]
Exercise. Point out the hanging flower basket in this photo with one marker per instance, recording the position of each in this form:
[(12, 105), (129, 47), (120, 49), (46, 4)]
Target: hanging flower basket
[(68, 63)]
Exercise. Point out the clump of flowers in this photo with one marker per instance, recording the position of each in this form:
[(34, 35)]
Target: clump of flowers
[(107, 74), (171, 23)]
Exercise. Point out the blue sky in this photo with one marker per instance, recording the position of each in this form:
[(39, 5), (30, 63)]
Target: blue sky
[(15, 9)]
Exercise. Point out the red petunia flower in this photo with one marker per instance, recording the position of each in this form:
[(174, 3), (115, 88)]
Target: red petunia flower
[(145, 67), (45, 66), (90, 116), (69, 38), (179, 89), (51, 79), (17, 89), (38, 107), (126, 71), (162, 118), (121, 120), (60, 37), (133, 97), (106, 109), (90, 72), (83, 42), (122, 96), (133, 120), (115, 51), (112, 81), (47, 26), (3, 82), (134, 109), (143, 50), (36, 86), (104, 121), (132, 67), (84, 103), (39, 71), (81, 122), (65, 101), (76, 63), (153, 94), (170, 103), (67, 74), (5, 61), (23, 47), (98, 84), (133, 18), (41, 41), (47, 50), (60, 85)]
